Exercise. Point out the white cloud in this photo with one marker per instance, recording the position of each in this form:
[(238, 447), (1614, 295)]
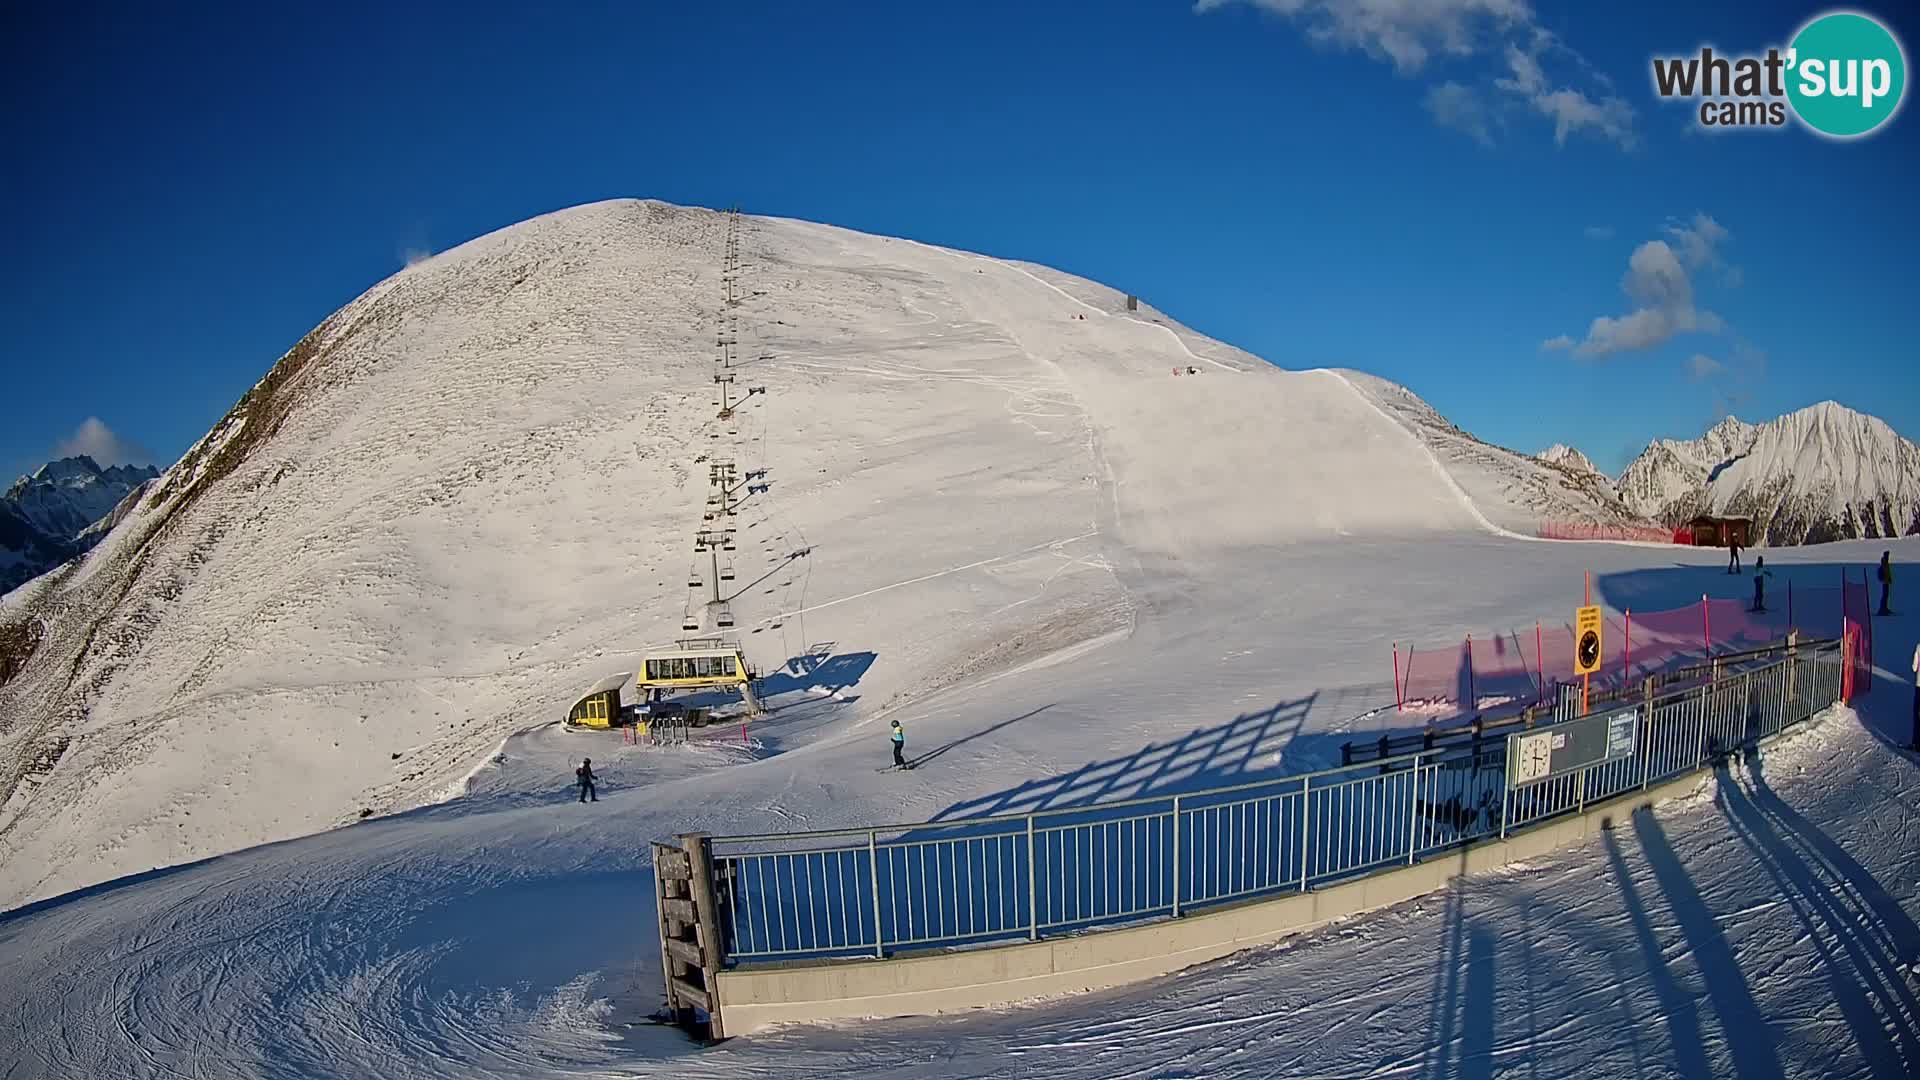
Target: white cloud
[(99, 442), (1659, 283), (1406, 33), (414, 256), (1414, 34), (1698, 240), (1701, 366), (1528, 79), (1599, 232), (1455, 106), (1560, 341), (1572, 111), (1656, 278)]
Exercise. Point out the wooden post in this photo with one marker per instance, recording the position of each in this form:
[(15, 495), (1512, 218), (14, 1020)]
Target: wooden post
[(680, 955), (701, 865), (660, 924)]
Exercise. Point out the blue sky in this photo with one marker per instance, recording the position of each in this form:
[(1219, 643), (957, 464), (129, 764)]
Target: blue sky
[(1430, 191)]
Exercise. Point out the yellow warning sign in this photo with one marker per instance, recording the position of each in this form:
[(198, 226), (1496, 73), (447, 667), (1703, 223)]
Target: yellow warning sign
[(1586, 640)]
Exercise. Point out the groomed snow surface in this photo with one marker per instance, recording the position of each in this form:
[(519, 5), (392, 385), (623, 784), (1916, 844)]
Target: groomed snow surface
[(1765, 927), (1071, 573)]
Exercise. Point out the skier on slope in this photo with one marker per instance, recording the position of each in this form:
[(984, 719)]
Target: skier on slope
[(1733, 556), (585, 775), (1760, 576), (898, 735)]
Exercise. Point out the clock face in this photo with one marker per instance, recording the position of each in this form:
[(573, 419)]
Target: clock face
[(1589, 649), (1535, 757)]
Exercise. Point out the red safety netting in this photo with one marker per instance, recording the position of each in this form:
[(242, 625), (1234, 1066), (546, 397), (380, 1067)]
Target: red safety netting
[(1857, 639), (1589, 530), (1523, 665)]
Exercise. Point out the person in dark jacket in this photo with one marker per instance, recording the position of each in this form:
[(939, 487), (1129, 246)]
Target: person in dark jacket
[(1886, 581), (585, 775), (1760, 576), (1733, 556), (899, 736)]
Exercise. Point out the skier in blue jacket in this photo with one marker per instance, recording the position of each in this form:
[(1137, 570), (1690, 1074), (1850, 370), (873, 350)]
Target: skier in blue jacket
[(899, 737)]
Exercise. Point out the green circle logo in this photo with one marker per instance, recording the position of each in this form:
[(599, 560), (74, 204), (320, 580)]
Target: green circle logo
[(1846, 74)]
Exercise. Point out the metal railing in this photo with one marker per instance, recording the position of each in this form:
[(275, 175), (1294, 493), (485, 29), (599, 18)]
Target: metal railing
[(939, 884)]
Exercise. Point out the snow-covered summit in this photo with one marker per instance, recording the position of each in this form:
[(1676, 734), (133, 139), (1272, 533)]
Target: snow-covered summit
[(47, 517), (63, 497), (1568, 458), (1824, 472)]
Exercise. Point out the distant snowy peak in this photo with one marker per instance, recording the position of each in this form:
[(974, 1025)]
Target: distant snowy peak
[(1568, 458), (51, 516), (1820, 473), (63, 497)]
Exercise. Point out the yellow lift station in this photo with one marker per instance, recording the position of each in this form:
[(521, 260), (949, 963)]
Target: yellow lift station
[(599, 707), (697, 664)]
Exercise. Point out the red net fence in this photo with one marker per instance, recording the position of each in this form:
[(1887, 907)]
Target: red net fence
[(1587, 530), (1856, 639), (1523, 666)]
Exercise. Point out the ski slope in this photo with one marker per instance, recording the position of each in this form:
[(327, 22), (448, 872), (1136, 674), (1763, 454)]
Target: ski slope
[(1073, 575), (472, 492), (1764, 927)]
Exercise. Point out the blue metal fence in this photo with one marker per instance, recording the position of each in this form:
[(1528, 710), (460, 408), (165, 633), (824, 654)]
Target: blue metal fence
[(937, 884)]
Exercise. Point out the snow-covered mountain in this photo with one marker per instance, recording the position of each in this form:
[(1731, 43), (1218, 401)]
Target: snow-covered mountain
[(1821, 473), (1568, 458), (1511, 491), (472, 491), (53, 515), (1078, 577)]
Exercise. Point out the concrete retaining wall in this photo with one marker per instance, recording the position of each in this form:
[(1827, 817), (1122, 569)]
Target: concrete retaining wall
[(753, 998)]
